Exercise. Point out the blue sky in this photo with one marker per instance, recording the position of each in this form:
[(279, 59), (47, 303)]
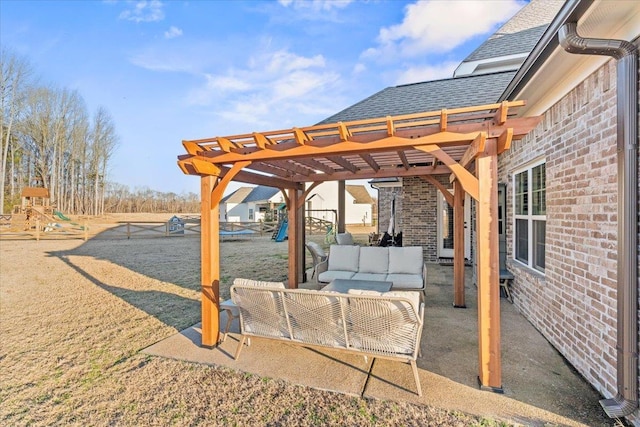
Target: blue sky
[(174, 70)]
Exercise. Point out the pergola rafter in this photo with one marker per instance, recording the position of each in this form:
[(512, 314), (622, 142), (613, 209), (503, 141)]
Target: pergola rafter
[(462, 143)]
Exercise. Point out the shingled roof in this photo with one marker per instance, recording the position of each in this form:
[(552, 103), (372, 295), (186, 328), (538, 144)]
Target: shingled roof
[(427, 96), (250, 194), (520, 33)]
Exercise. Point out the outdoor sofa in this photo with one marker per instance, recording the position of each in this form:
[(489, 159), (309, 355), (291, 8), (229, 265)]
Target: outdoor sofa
[(384, 325), (403, 266)]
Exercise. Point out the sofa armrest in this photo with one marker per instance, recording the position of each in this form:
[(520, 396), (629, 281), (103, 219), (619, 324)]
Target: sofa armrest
[(424, 275), (321, 268)]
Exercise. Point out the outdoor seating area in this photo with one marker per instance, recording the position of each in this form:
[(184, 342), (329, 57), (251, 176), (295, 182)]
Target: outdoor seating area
[(547, 391), (384, 325)]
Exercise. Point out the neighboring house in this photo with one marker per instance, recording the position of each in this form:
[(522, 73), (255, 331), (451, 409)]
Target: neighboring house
[(322, 202), (250, 204), (567, 208)]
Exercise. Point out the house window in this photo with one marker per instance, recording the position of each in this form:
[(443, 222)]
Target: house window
[(530, 206), (250, 214)]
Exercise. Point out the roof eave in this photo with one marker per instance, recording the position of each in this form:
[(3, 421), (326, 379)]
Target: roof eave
[(572, 10)]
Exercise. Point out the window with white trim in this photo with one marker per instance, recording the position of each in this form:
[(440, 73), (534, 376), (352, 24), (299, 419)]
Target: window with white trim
[(530, 208)]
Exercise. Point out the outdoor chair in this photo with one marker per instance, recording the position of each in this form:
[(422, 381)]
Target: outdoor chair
[(318, 254), (344, 239)]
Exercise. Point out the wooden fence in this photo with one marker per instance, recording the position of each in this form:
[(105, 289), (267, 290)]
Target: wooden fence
[(189, 226)]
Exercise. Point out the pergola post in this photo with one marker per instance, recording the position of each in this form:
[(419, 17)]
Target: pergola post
[(209, 262), (490, 368), (296, 238), (458, 245), (341, 207)]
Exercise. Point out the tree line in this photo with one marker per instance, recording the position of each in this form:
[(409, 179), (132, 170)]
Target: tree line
[(119, 198), (49, 139)]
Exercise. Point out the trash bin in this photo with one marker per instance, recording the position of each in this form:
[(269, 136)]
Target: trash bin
[(175, 226)]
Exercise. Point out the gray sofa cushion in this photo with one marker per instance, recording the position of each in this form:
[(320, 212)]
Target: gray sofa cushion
[(329, 275), (373, 259), (344, 258), (405, 281), (405, 260)]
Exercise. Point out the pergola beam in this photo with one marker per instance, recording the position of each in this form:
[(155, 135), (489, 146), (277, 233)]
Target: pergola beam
[(381, 173), (342, 148)]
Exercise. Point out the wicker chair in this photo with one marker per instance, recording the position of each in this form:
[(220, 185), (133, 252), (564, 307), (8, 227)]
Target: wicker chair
[(318, 254)]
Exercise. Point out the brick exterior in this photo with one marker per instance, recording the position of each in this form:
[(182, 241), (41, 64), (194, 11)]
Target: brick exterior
[(419, 215), (574, 302)]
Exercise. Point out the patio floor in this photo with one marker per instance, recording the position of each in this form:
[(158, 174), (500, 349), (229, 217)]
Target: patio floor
[(539, 385)]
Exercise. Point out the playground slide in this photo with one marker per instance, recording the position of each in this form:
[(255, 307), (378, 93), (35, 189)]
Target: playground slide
[(283, 232), (61, 216)]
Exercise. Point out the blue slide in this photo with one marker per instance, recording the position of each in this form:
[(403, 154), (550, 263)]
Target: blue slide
[(283, 231)]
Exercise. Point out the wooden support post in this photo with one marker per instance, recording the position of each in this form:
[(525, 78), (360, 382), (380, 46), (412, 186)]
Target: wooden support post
[(458, 246), (490, 365), (296, 238), (210, 263), (341, 207)]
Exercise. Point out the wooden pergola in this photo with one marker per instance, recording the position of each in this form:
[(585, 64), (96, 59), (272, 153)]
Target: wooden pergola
[(463, 143)]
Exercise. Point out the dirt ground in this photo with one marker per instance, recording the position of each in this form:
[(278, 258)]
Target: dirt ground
[(74, 315)]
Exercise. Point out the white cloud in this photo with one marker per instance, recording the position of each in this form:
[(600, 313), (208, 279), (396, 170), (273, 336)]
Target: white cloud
[(359, 68), (227, 83), (155, 60), (270, 90), (144, 11), (283, 61), (439, 26), (316, 5), (427, 72), (172, 33)]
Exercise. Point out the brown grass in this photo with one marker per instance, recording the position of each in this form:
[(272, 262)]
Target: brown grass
[(74, 316)]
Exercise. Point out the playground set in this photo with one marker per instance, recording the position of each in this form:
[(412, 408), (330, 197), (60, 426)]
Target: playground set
[(36, 210)]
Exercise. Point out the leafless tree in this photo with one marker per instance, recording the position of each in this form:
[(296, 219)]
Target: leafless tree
[(15, 74)]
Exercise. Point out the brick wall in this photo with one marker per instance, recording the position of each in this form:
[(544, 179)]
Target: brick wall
[(574, 302), (419, 215)]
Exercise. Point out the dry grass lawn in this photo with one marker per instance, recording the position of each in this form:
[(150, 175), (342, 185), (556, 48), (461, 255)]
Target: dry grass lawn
[(74, 315)]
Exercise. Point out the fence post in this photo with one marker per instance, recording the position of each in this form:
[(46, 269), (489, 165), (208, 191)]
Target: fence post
[(128, 230), (37, 229)]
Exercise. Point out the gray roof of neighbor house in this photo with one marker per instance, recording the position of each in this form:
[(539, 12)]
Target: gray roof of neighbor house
[(250, 194), (427, 96), (359, 194), (261, 193), (237, 196), (520, 33)]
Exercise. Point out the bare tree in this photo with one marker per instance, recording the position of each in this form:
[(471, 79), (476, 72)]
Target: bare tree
[(103, 144), (15, 73)]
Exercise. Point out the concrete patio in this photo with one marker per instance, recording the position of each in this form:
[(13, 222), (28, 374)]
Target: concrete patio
[(540, 388)]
